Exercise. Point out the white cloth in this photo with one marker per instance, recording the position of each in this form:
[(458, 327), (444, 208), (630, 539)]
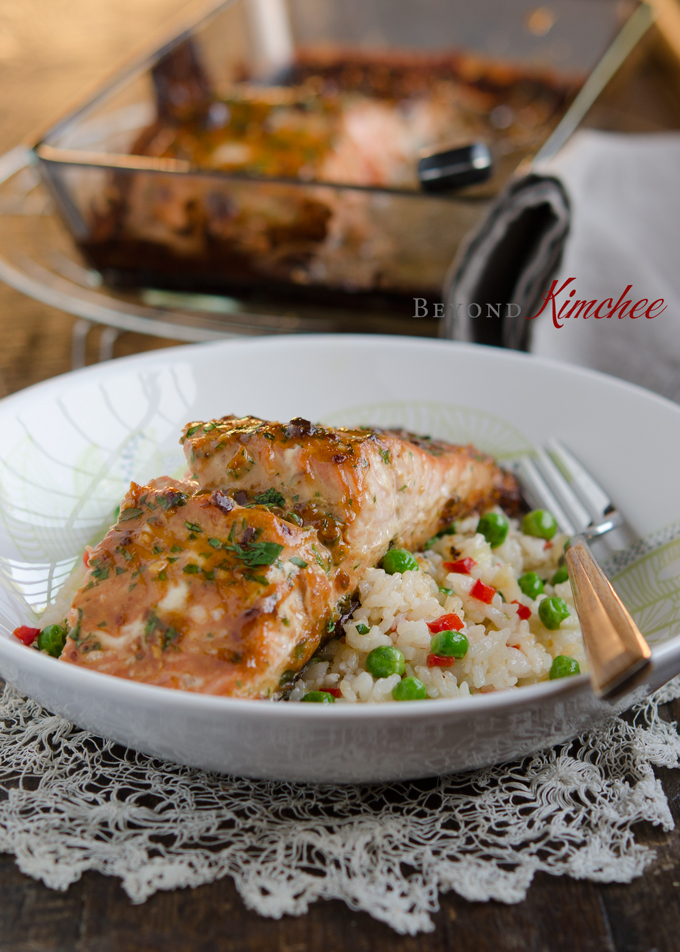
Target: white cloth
[(625, 194), (70, 802)]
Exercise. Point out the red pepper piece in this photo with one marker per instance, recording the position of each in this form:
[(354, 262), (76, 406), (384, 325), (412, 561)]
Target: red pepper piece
[(461, 567), (336, 692), (483, 593), (522, 610), (25, 634), (445, 623), (438, 661)]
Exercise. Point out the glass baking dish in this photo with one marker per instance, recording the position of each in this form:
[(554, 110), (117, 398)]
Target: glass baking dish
[(163, 220)]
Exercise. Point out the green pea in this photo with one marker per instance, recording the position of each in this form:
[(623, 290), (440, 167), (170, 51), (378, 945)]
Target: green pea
[(320, 697), (399, 560), (52, 640), (531, 584), (449, 644), (384, 661), (561, 575), (410, 689), (552, 612), (494, 528), (539, 523), (563, 667)]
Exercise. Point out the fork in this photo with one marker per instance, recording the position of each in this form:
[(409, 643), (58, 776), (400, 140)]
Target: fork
[(555, 480)]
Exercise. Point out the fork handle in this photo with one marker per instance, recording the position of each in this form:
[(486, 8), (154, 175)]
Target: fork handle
[(615, 647)]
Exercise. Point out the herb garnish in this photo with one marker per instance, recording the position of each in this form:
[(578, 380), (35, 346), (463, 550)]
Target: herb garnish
[(167, 634), (255, 578), (256, 553), (269, 498), (299, 562), (170, 498), (128, 514)]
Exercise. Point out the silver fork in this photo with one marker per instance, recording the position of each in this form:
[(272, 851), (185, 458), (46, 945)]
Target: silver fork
[(555, 480)]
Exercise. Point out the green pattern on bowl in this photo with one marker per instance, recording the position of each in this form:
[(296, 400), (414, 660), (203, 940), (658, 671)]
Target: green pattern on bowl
[(647, 577)]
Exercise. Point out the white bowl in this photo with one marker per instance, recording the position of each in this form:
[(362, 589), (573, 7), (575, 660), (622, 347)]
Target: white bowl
[(71, 446)]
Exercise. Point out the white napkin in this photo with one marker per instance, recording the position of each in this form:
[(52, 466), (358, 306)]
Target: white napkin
[(625, 195)]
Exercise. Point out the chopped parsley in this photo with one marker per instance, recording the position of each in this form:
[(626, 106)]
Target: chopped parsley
[(269, 498), (319, 560), (193, 526), (167, 634), (128, 514), (215, 543), (191, 569), (175, 548), (256, 553), (255, 578), (170, 499), (385, 456)]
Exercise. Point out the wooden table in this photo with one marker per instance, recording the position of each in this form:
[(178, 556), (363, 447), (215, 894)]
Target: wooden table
[(50, 50)]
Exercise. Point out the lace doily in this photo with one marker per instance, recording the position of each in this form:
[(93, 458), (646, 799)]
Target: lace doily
[(70, 802)]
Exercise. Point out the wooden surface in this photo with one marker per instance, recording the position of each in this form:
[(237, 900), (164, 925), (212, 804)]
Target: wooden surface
[(50, 50)]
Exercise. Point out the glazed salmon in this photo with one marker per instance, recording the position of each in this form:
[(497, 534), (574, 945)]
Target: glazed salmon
[(361, 489), (227, 582), (198, 593)]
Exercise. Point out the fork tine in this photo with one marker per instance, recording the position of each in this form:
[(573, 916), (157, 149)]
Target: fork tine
[(570, 502), (579, 479), (539, 495)]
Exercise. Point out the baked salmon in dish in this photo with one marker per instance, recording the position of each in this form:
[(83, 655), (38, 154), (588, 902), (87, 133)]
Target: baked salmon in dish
[(228, 581)]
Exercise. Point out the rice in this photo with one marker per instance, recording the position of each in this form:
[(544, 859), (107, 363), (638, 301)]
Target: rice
[(504, 652)]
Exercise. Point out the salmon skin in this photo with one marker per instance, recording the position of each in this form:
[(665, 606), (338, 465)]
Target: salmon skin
[(228, 581)]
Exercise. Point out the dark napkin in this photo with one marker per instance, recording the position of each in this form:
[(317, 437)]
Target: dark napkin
[(510, 258)]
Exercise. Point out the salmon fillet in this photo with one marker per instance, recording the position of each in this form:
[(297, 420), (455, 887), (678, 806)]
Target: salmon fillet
[(198, 593), (227, 582), (362, 490)]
